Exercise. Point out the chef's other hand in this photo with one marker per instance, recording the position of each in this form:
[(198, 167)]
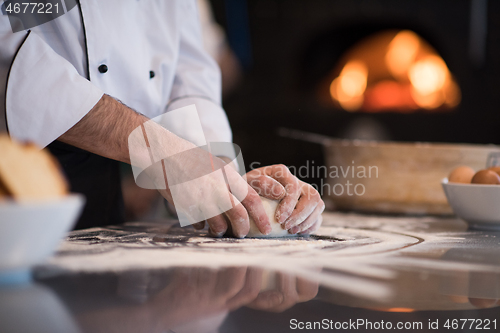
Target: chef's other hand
[(301, 205)]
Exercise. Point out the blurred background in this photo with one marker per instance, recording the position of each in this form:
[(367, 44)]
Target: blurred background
[(406, 71), (412, 70)]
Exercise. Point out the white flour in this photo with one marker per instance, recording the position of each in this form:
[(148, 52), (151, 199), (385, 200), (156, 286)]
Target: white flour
[(346, 253)]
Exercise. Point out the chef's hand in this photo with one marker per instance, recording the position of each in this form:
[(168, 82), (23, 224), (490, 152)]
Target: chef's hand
[(301, 205), (204, 186)]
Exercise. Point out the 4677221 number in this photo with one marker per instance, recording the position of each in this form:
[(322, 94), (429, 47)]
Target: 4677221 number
[(32, 8), (471, 324)]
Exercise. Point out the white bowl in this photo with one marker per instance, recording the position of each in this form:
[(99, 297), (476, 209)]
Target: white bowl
[(478, 205), (31, 231)]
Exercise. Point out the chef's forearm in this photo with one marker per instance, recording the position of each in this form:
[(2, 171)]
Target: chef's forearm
[(105, 129)]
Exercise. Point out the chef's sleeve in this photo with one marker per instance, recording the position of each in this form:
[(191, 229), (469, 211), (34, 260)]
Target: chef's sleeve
[(41, 94), (198, 80)]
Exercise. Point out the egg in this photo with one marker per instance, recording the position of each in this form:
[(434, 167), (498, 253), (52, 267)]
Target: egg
[(495, 169), (486, 177), (461, 174)]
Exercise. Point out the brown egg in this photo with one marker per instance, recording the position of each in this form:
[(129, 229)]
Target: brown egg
[(461, 174), (486, 177), (495, 169)]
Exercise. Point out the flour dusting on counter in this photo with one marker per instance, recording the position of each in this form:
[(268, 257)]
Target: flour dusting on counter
[(351, 252)]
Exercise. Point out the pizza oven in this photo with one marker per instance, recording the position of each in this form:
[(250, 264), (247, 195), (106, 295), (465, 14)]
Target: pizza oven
[(412, 70)]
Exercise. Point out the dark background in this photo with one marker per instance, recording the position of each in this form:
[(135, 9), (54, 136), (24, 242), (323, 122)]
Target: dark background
[(288, 46)]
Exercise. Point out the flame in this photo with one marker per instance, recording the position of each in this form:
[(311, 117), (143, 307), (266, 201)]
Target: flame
[(353, 78), (348, 88), (428, 75), (428, 101), (402, 52), (389, 94), (396, 71)]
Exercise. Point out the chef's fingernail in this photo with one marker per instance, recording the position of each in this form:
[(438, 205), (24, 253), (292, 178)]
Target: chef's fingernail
[(294, 230), (289, 224), (216, 234)]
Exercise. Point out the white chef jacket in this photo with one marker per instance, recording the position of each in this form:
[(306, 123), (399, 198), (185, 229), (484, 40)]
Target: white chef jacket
[(50, 77)]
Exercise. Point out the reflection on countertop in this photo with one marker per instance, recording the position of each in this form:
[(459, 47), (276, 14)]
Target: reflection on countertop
[(158, 277)]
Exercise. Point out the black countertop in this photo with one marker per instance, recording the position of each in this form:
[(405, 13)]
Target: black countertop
[(358, 272)]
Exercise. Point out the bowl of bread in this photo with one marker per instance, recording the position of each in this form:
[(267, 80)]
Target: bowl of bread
[(474, 196), (36, 210)]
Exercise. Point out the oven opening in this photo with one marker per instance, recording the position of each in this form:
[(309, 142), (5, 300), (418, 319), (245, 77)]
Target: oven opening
[(391, 71)]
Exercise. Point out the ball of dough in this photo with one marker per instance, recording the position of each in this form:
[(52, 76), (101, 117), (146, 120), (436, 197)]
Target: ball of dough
[(277, 230), (28, 173)]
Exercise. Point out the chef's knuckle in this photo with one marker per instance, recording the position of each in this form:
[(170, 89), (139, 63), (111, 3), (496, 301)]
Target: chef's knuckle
[(255, 184), (253, 292), (281, 171), (252, 197), (311, 192), (282, 167), (291, 188)]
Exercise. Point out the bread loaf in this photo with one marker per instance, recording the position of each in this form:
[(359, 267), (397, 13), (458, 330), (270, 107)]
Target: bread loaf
[(28, 173)]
